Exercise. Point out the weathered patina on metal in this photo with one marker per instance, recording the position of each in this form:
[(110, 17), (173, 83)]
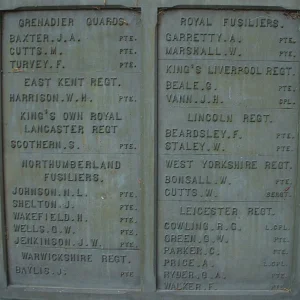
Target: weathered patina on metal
[(150, 149)]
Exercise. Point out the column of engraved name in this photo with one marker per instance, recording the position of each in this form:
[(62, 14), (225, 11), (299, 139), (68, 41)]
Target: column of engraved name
[(71, 147), (228, 115)]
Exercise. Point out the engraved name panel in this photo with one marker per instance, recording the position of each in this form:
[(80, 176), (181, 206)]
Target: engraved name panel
[(227, 117), (71, 148)]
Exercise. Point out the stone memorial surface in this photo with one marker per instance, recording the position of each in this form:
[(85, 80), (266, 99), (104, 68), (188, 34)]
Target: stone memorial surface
[(228, 100), (71, 113)]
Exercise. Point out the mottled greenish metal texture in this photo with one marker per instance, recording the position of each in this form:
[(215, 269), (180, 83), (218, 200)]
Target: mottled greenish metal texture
[(149, 150)]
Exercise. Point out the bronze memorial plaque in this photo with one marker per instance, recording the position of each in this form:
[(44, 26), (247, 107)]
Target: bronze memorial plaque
[(228, 100), (71, 111), (150, 150)]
